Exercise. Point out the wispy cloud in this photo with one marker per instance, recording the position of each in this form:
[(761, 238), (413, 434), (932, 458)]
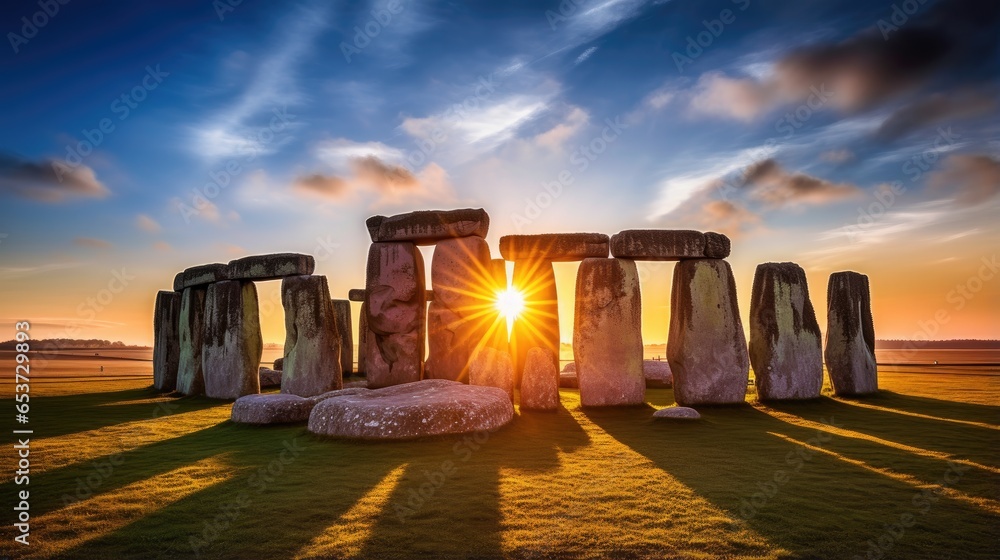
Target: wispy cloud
[(585, 55), (48, 180), (147, 224), (92, 243)]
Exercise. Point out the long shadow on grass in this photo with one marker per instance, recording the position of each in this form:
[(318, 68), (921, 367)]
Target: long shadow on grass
[(812, 504), (944, 409)]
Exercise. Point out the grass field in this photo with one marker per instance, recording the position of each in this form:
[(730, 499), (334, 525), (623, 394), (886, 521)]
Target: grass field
[(120, 472)]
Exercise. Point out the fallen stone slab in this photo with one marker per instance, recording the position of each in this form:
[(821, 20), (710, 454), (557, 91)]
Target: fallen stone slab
[(233, 345), (657, 374), (312, 364), (271, 408), (677, 413), (785, 346), (339, 393), (430, 407), (191, 330), (269, 378), (493, 368), (540, 383), (569, 380), (669, 245), (561, 247), (271, 267), (166, 340), (279, 364), (426, 227), (850, 335), (569, 368), (200, 275)]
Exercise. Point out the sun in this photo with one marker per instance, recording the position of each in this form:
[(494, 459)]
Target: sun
[(510, 304)]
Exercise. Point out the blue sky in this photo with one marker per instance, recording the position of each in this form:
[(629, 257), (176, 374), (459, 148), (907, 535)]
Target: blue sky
[(258, 127)]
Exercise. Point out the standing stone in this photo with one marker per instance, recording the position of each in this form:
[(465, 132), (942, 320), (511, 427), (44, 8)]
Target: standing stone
[(785, 347), (463, 311), (706, 347), (232, 344), (493, 368), (426, 227), (190, 376), (363, 334), (538, 324), (166, 347), (312, 344), (607, 334), (540, 384), (397, 308), (342, 315), (850, 335)]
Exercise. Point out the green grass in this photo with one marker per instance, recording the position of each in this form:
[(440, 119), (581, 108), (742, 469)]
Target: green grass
[(579, 483)]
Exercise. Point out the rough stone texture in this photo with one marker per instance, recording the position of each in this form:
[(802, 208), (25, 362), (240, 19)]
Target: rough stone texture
[(338, 393), (668, 244), (427, 227), (607, 333), (397, 307), (190, 375), (166, 346), (540, 384), (269, 378), (412, 410), (200, 275), (312, 344), (279, 364), (463, 312), (271, 409), (232, 346), (657, 374), (706, 347), (569, 368), (356, 383), (569, 380), (677, 413), (554, 246), (493, 368), (785, 347), (538, 324), (356, 294), (364, 333), (271, 267), (342, 315), (850, 335)]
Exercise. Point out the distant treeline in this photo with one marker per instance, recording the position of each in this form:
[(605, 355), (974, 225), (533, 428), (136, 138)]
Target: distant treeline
[(959, 344), (67, 344)]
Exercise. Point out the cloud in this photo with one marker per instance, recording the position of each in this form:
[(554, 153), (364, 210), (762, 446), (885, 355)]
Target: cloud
[(147, 224), (203, 209), (92, 243), (584, 55), (934, 109), (972, 178), (837, 156), (554, 138), (48, 180), (322, 185), (744, 99), (773, 184), (21, 271), (163, 246), (728, 217)]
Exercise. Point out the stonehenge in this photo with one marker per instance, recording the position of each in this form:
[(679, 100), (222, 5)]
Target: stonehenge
[(397, 311), (166, 348), (190, 375), (493, 368), (232, 340), (668, 245), (312, 363), (342, 315), (850, 336), (539, 324), (540, 385), (426, 227)]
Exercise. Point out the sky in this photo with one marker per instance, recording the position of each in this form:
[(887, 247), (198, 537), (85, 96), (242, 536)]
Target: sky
[(138, 139)]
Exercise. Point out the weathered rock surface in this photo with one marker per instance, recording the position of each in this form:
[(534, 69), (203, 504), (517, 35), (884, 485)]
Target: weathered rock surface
[(850, 335), (554, 246), (200, 275), (312, 344), (191, 330), (279, 364), (607, 334), (269, 378), (166, 347), (342, 315), (232, 344), (271, 267), (538, 324), (669, 245), (427, 227), (396, 314), (540, 383), (463, 311), (569, 367), (785, 347), (706, 347), (569, 380), (677, 413), (363, 335), (356, 294), (657, 374), (271, 408), (412, 410), (493, 368)]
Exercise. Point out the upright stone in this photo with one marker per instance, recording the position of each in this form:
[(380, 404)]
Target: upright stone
[(427, 227), (190, 376), (232, 345), (463, 311), (312, 344), (540, 385), (271, 267), (850, 335), (363, 334), (785, 347), (607, 334), (397, 310), (706, 347), (166, 342), (538, 324), (342, 315), (493, 368)]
